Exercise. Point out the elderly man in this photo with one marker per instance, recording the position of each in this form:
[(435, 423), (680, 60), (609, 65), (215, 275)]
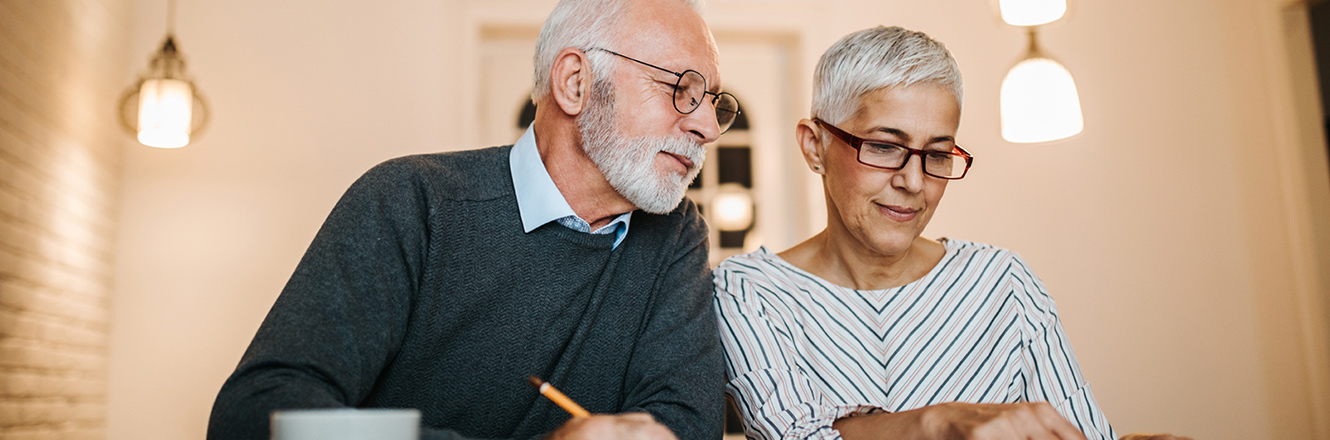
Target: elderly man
[(441, 282)]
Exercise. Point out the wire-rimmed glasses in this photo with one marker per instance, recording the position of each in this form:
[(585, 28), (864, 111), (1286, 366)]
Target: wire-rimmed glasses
[(950, 165), (690, 90)]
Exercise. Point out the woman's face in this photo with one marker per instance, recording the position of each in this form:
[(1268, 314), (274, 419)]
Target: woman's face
[(886, 210)]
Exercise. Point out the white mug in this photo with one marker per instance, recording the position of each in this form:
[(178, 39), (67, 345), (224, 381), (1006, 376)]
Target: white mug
[(346, 424)]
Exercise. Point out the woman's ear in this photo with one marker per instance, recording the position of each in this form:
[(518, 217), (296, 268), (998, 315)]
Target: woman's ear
[(809, 137), (570, 80)]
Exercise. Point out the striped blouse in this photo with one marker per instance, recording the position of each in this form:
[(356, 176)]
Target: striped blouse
[(802, 352)]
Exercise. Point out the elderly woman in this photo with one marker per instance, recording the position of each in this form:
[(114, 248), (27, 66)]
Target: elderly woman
[(869, 330)]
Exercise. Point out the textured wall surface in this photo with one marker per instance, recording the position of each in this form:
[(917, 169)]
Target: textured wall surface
[(61, 71)]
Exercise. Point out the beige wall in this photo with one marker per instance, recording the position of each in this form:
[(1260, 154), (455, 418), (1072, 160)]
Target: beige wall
[(1172, 232), (61, 71)]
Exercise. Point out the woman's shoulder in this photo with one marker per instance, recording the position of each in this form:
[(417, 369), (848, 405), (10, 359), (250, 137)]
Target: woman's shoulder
[(761, 273), (761, 264), (962, 251), (1002, 268)]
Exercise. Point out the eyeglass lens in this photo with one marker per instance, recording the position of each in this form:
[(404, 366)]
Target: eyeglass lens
[(939, 164), (691, 90)]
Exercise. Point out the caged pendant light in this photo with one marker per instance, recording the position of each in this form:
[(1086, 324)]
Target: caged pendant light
[(1039, 102), (164, 108)]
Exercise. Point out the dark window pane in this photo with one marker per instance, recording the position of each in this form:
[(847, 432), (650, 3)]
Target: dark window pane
[(732, 239), (740, 121), (1319, 13), (527, 116), (733, 422), (735, 165)]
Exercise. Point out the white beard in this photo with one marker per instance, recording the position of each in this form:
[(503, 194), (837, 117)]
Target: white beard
[(628, 164)]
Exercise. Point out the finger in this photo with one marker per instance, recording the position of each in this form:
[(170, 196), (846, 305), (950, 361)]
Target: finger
[(1162, 437), (657, 432), (637, 417), (1057, 424), (1029, 420), (1007, 425), (641, 426), (580, 427)]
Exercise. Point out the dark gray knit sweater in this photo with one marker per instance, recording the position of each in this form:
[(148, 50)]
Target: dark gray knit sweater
[(422, 291)]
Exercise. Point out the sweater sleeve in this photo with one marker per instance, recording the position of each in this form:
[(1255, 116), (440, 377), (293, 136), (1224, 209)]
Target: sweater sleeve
[(342, 316), (676, 373)]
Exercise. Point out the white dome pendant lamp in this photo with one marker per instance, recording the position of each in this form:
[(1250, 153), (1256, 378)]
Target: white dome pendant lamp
[(1039, 102)]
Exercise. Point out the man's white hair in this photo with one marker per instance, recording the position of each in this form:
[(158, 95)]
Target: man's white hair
[(582, 24), (877, 58)]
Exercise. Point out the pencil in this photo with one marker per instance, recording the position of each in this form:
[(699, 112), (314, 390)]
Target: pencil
[(558, 398)]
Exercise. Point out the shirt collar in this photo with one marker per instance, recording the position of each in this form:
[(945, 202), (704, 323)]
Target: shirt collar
[(538, 199)]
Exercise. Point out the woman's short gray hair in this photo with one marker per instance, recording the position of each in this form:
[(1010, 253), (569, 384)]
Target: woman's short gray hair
[(877, 58), (582, 24)]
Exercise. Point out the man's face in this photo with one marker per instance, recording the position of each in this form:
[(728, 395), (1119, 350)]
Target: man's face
[(628, 163), (647, 150)]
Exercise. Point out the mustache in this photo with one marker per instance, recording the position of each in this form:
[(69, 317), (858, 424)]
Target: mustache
[(695, 152)]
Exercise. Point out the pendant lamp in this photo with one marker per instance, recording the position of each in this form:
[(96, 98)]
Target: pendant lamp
[(1039, 102), (164, 108)]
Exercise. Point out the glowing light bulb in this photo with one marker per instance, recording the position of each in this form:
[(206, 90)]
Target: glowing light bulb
[(165, 107), (1032, 12), (1039, 102), (734, 208)]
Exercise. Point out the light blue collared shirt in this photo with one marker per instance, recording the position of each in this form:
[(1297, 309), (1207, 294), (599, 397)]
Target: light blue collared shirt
[(539, 200)]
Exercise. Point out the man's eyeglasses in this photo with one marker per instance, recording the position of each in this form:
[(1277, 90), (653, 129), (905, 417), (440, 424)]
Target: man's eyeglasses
[(949, 165), (690, 90)]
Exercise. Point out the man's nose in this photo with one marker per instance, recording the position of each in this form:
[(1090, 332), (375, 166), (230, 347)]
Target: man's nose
[(702, 122)]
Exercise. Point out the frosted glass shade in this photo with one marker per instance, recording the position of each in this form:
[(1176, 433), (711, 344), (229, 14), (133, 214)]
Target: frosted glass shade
[(733, 208), (165, 107), (1032, 12), (1039, 103)]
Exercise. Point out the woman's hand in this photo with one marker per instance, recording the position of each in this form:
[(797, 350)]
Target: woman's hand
[(955, 420), (1153, 437)]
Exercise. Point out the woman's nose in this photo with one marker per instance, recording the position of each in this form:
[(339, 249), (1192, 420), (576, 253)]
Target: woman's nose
[(910, 178)]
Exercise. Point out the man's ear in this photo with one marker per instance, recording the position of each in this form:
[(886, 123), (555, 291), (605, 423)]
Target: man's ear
[(809, 137), (570, 80)]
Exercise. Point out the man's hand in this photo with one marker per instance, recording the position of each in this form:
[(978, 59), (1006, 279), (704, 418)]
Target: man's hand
[(1154, 437), (628, 426), (1033, 420), (955, 420)]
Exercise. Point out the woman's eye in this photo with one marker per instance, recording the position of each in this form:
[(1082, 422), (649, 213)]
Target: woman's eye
[(882, 148), (940, 158)]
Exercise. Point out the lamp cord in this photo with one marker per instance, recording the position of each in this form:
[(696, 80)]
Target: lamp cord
[(1033, 49), (170, 17)]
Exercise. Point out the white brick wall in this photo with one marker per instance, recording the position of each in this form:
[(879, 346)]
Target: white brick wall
[(61, 71)]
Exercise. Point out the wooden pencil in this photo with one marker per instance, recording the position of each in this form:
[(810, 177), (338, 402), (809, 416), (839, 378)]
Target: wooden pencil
[(558, 398)]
